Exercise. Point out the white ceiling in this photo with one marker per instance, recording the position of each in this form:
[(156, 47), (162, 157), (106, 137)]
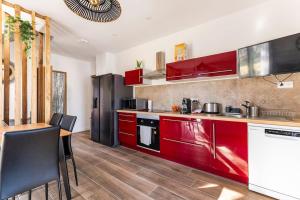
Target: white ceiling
[(141, 21)]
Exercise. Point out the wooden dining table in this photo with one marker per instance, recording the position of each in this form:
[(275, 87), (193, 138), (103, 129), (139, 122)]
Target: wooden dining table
[(62, 160)]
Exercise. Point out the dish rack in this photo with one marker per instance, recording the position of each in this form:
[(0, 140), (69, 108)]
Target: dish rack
[(278, 113)]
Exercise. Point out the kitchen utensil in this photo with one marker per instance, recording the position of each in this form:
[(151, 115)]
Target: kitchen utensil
[(186, 106), (254, 111), (211, 108)]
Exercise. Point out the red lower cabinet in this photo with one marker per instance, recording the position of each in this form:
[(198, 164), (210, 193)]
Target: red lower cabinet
[(230, 150), (186, 141), (127, 130), (220, 147)]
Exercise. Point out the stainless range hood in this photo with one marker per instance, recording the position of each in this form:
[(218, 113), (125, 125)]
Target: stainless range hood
[(160, 71)]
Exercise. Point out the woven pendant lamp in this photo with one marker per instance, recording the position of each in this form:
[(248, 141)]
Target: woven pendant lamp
[(96, 10)]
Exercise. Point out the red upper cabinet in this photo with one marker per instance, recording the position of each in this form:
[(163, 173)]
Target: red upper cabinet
[(230, 150), (186, 141), (182, 69), (134, 77), (209, 66), (218, 65)]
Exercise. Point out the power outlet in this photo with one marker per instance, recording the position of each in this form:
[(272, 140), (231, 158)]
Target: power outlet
[(285, 85)]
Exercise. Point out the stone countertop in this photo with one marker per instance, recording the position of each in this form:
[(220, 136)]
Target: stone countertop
[(269, 121)]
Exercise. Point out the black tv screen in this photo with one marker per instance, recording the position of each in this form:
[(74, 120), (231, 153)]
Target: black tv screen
[(279, 56)]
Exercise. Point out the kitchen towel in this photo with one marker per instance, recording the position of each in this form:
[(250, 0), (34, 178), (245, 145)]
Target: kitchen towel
[(145, 135)]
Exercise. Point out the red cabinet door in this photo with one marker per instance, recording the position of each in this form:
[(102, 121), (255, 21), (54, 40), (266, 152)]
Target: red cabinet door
[(127, 130), (134, 77), (186, 141), (209, 66), (182, 70), (218, 65), (230, 150)]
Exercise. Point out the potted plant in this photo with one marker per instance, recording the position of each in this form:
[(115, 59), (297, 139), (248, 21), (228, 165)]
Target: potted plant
[(139, 64), (26, 30)]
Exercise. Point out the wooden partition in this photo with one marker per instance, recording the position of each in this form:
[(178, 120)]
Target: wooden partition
[(39, 95)]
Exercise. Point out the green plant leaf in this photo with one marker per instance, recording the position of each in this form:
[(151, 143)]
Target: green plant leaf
[(26, 31)]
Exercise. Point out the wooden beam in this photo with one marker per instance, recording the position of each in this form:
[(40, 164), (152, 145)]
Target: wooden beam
[(6, 74), (24, 85), (48, 72), (4, 2), (18, 68), (1, 66), (41, 81), (33, 75)]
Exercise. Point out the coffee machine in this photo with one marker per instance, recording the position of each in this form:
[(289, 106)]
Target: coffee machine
[(186, 106)]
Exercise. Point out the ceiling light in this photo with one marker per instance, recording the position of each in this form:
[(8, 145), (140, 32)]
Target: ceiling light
[(83, 41), (95, 2), (96, 10)]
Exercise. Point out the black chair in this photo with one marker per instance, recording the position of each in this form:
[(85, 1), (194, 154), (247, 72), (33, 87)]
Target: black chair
[(56, 119), (29, 159), (67, 123)]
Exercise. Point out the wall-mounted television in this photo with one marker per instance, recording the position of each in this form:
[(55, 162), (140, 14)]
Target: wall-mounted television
[(279, 56)]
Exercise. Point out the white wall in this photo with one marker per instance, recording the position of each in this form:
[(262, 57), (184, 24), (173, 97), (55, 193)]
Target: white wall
[(79, 88), (105, 63), (273, 19)]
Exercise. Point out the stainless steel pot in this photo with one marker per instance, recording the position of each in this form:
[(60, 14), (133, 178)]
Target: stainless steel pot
[(211, 108)]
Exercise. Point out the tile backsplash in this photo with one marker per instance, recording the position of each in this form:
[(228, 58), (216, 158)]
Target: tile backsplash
[(227, 92)]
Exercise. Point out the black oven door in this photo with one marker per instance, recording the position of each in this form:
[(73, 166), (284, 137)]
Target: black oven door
[(153, 127)]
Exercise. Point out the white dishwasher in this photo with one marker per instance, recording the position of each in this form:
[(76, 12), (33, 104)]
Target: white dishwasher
[(274, 160)]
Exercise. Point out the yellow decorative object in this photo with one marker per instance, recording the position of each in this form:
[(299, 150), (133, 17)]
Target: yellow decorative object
[(180, 52)]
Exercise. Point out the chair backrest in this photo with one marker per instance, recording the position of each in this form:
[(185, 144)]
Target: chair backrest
[(68, 122), (28, 159), (56, 119)]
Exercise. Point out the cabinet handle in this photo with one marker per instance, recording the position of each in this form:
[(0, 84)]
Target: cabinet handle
[(197, 145), (175, 120), (123, 133), (214, 140), (140, 77), (124, 115), (215, 72), (123, 120), (184, 75)]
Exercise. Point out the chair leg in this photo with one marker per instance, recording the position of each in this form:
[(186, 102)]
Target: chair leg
[(46, 191), (75, 170), (29, 195), (59, 189)]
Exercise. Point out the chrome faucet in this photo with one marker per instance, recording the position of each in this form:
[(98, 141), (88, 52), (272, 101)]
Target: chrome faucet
[(247, 105)]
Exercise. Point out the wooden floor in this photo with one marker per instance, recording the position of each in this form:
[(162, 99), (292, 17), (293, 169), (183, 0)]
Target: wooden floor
[(121, 173)]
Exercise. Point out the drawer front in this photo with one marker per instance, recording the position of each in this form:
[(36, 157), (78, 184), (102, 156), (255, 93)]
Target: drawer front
[(188, 130), (127, 126), (127, 139), (127, 129), (197, 156), (127, 116)]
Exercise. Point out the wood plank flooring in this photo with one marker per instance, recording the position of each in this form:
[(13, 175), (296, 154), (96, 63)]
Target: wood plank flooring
[(121, 173)]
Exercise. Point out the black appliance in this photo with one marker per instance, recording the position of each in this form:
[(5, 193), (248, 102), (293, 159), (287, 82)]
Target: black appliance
[(186, 106), (277, 56), (149, 125), (135, 104), (108, 90)]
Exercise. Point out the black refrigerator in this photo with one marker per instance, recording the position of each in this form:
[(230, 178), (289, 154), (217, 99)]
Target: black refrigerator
[(108, 91)]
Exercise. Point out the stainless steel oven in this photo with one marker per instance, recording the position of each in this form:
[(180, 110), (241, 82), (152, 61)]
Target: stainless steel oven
[(148, 135)]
